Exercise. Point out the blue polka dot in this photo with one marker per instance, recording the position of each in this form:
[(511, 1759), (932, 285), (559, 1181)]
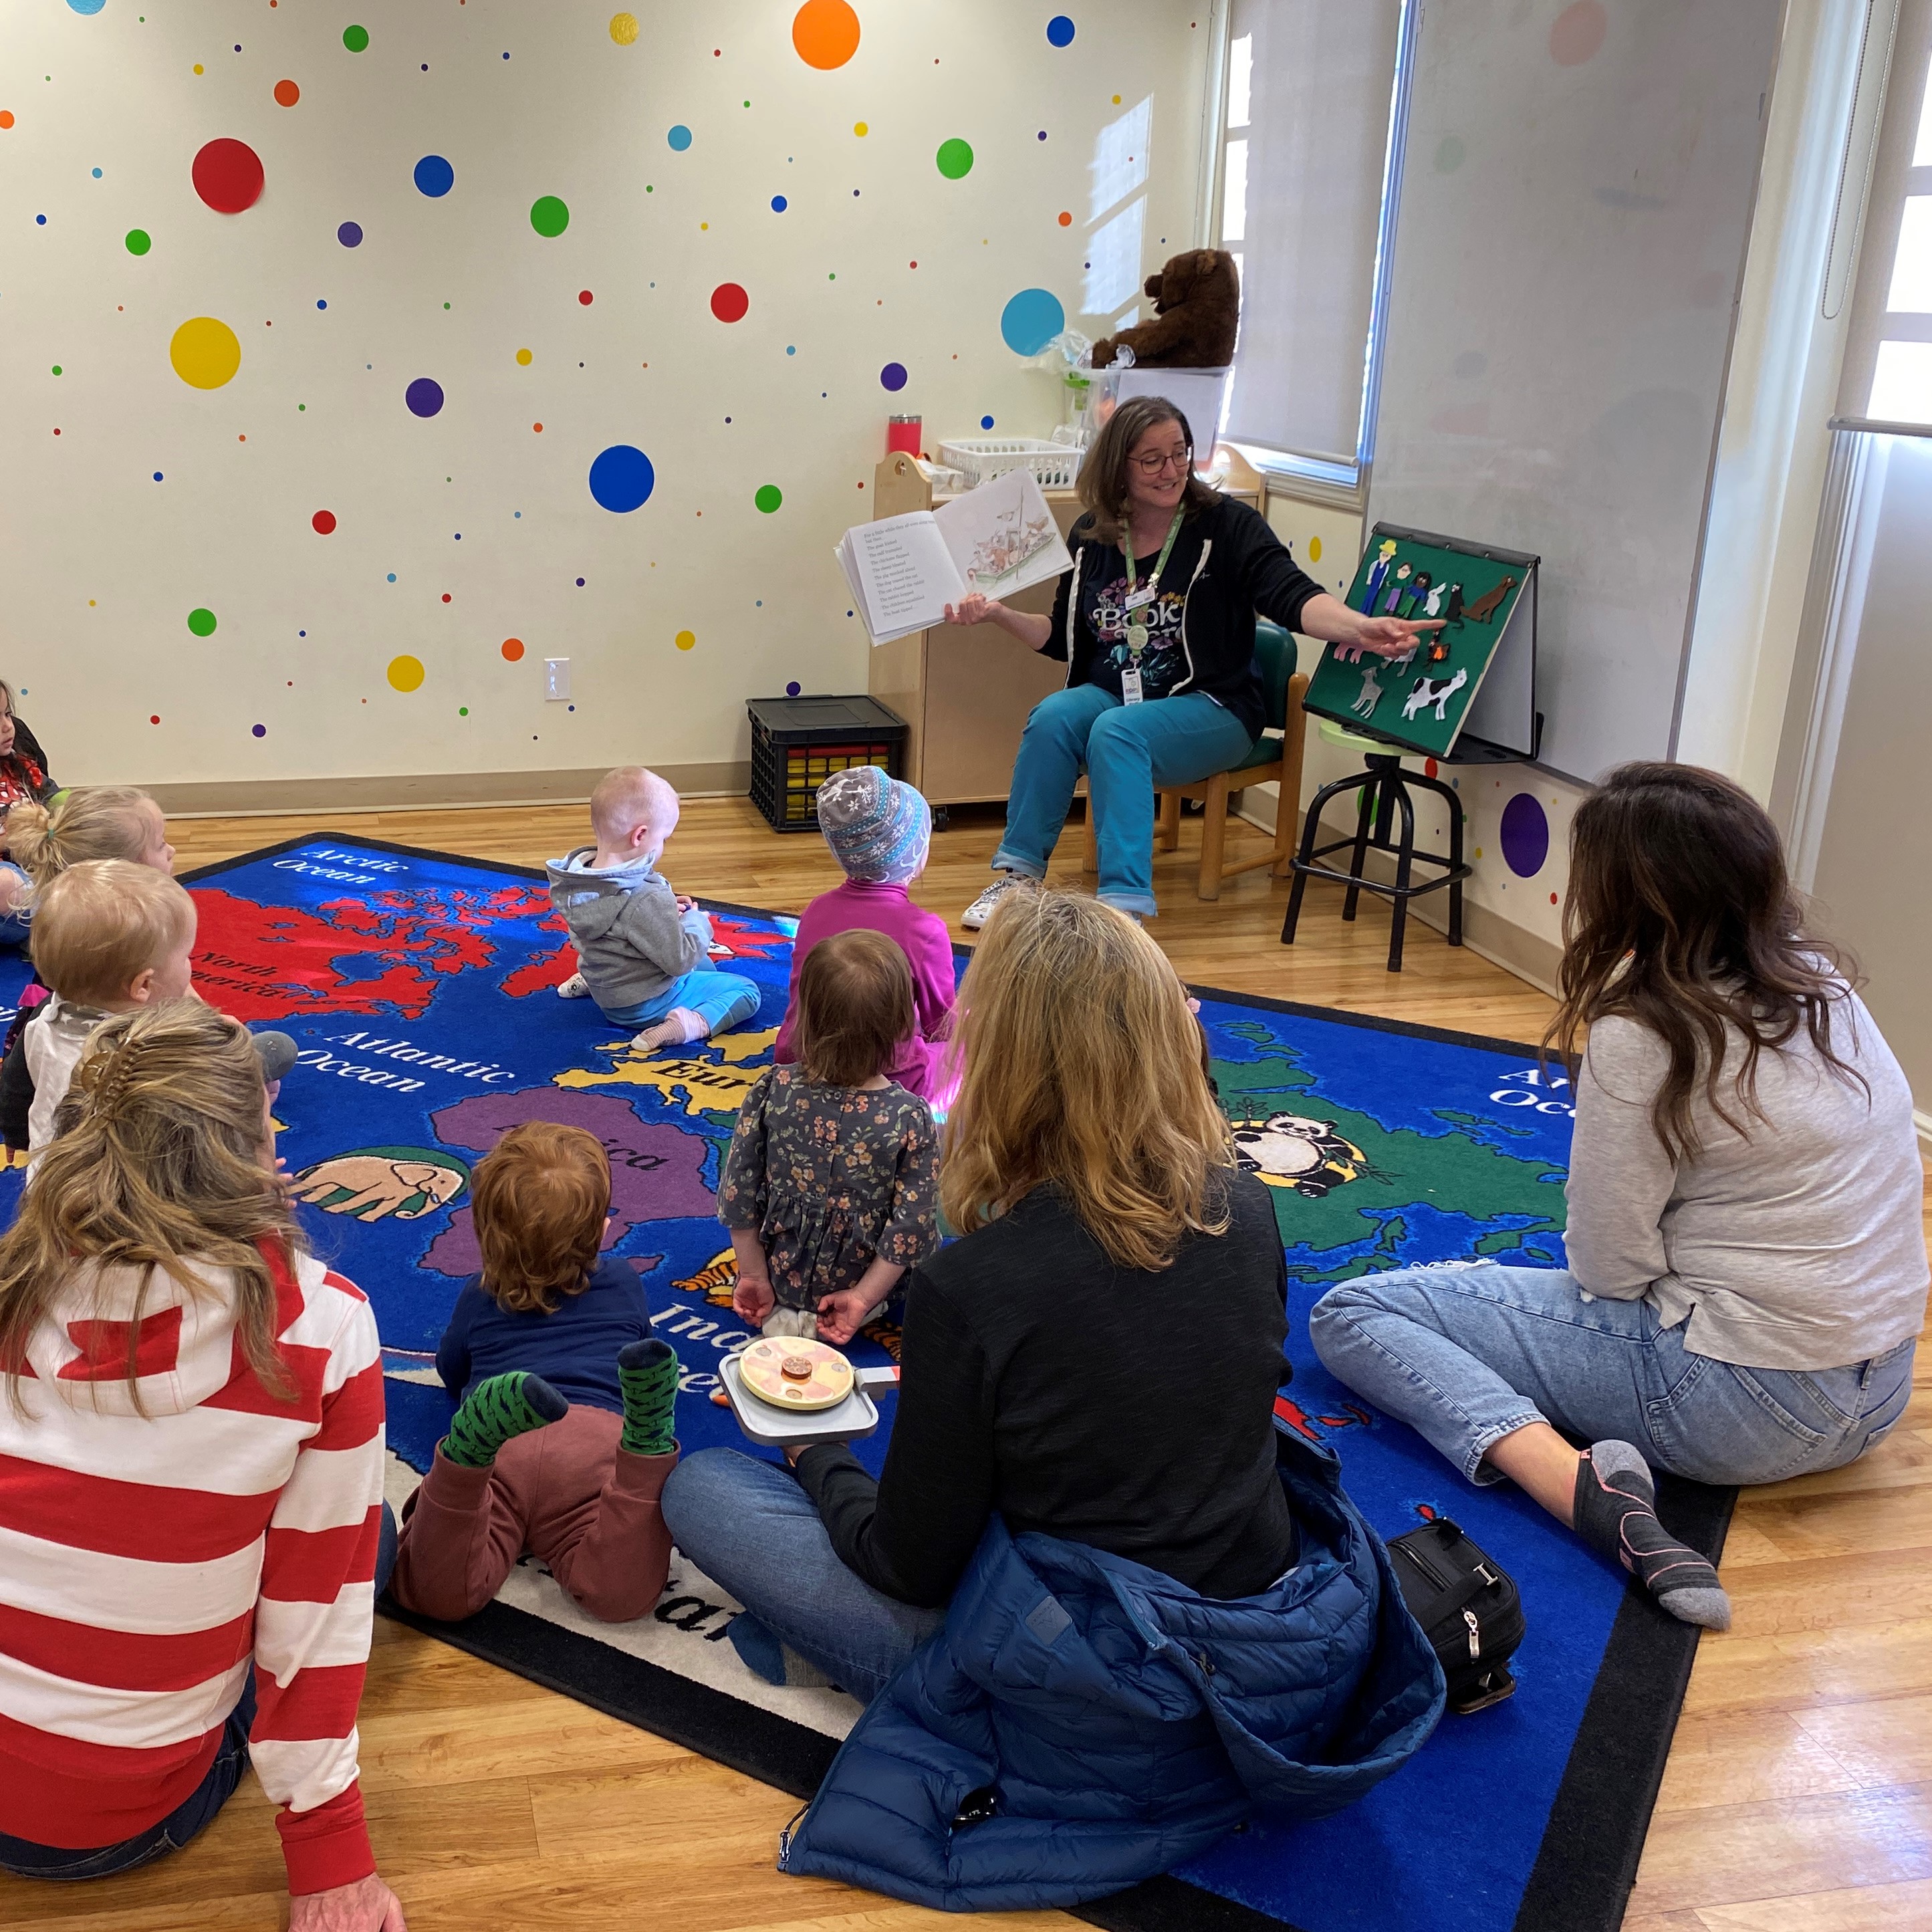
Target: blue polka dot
[(392, 577), (40, 221), (350, 235), (97, 174), (434, 176), (791, 348), (892, 376), (679, 138), (322, 304), (985, 422), (157, 476), (622, 479), (301, 634), (1031, 320), (87, 6), (517, 514), (778, 204), (1060, 31), (459, 536)]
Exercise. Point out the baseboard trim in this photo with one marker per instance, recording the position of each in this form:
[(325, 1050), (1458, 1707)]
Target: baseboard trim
[(422, 791), (1485, 933)]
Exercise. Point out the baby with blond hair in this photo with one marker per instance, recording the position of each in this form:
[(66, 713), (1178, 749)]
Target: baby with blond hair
[(642, 949)]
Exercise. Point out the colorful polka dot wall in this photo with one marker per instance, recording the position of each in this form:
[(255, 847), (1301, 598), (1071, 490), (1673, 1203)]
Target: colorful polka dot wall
[(401, 351)]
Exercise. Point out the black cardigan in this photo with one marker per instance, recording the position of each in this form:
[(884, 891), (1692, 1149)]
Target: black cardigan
[(1133, 1412), (1233, 565)]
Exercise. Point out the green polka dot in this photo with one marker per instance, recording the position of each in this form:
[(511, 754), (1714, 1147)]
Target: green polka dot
[(549, 216), (57, 368), (139, 241), (955, 159), (201, 623), (463, 711), (356, 38), (769, 497)]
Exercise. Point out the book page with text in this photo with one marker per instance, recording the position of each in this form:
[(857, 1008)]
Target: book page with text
[(906, 572)]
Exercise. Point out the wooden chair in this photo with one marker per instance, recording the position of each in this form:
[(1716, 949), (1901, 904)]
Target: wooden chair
[(1278, 759)]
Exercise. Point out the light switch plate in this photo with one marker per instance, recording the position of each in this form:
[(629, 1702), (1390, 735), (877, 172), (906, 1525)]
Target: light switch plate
[(557, 677)]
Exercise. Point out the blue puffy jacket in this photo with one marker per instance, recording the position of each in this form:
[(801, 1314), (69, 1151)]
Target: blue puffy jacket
[(1081, 1722)]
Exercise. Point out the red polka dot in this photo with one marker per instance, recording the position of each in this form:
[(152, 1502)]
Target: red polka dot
[(1428, 767), (287, 93), (513, 650), (586, 297), (228, 176), (538, 427), (446, 596), (1552, 899), (729, 302), (57, 432), (154, 718), (323, 522)]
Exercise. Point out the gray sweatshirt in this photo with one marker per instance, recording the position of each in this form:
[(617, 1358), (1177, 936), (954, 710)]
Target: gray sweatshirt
[(631, 940), (1799, 1245)]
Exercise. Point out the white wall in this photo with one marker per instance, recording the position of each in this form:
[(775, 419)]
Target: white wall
[(878, 259)]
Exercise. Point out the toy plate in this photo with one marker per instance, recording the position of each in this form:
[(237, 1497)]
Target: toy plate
[(796, 1374)]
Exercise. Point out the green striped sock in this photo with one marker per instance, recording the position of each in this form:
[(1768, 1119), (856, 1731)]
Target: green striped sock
[(648, 1371), (495, 1410)]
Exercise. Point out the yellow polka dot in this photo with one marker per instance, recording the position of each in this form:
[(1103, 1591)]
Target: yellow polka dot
[(1315, 550), (90, 603), (686, 640), (860, 128), (197, 66), (522, 358), (703, 225), (405, 674), (1117, 100), (204, 352), (624, 28)]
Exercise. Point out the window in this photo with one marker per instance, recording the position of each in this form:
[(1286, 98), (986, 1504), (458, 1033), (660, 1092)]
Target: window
[(1310, 149)]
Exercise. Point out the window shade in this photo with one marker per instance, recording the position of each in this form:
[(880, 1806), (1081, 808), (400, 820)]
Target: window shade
[(1319, 76)]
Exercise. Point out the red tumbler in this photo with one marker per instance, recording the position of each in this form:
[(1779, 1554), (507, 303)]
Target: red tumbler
[(903, 433)]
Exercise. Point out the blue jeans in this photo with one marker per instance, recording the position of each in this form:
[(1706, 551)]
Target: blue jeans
[(197, 1811), (723, 999), (1125, 750), (753, 1530), (1465, 1355)]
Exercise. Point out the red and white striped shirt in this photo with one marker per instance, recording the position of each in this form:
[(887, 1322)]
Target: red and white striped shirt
[(148, 1559)]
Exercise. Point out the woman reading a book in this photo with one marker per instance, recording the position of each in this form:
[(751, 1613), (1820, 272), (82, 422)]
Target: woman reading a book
[(1156, 624)]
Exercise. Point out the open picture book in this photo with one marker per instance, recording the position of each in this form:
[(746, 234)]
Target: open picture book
[(903, 570)]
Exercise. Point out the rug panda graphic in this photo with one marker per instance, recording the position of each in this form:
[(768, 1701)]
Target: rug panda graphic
[(1290, 1151)]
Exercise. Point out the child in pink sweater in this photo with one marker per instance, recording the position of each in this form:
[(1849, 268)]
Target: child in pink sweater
[(880, 830)]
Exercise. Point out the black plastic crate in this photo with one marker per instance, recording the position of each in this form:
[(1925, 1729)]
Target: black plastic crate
[(797, 743)]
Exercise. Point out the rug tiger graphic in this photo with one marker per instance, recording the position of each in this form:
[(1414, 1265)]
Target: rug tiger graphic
[(1289, 1150), (718, 1279)]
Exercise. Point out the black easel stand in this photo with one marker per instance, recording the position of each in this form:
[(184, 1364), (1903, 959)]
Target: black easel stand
[(1384, 787)]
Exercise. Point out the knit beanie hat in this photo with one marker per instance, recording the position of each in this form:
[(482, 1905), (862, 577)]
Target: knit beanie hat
[(878, 827)]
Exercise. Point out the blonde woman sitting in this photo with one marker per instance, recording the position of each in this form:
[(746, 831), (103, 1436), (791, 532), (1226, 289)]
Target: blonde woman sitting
[(192, 1532)]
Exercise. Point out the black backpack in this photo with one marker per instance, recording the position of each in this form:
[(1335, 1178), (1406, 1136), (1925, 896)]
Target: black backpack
[(1468, 1608)]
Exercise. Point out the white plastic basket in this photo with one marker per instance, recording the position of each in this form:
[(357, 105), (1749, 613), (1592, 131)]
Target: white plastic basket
[(980, 458)]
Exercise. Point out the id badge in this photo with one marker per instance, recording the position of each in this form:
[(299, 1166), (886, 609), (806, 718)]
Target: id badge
[(1145, 594), (1130, 685)]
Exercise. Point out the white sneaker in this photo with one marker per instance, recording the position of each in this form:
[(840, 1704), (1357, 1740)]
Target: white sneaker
[(576, 987), (977, 914)]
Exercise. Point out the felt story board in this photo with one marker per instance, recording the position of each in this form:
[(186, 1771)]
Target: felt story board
[(1486, 598)]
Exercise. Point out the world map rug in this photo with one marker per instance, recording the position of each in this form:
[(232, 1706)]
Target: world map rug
[(420, 988)]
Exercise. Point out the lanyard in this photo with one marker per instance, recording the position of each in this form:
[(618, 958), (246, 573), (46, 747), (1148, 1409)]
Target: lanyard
[(1137, 634)]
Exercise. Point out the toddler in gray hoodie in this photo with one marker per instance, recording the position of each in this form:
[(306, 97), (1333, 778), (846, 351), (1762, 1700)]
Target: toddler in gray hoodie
[(643, 949)]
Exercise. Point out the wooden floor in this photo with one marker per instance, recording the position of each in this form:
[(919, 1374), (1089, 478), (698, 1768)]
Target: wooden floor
[(1799, 1792)]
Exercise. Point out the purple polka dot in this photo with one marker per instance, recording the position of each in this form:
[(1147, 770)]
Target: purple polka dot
[(259, 730), (792, 689), (1526, 835), (892, 376), (580, 583), (424, 396), (350, 235)]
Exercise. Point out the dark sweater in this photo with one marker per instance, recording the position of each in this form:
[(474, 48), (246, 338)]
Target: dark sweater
[(1226, 564), (574, 1350), (1133, 1412)]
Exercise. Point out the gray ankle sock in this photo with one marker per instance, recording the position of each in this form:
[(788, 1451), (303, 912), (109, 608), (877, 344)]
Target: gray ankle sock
[(1615, 1512)]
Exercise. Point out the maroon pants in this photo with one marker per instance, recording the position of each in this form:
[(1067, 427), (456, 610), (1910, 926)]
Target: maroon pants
[(566, 1493)]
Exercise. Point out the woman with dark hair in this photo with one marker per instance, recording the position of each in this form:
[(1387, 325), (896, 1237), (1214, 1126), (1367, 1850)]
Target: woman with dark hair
[(1156, 624), (1747, 1268)]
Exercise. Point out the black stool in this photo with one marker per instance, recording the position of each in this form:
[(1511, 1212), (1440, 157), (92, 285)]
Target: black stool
[(1384, 787)]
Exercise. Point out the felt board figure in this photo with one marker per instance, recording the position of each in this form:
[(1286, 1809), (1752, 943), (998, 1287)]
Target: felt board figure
[(1397, 587), (1485, 606), (1365, 705), (1452, 612), (1412, 598), (1436, 691), (1377, 571), (1432, 603)]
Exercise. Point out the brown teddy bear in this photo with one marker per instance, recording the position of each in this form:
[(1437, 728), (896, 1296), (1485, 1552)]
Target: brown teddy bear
[(1197, 303)]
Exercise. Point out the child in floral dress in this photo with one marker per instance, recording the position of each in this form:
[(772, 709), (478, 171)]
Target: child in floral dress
[(830, 1189)]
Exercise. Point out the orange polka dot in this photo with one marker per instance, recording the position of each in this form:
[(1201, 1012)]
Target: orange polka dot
[(287, 93), (6, 117), (1066, 217), (538, 427), (513, 648), (825, 33)]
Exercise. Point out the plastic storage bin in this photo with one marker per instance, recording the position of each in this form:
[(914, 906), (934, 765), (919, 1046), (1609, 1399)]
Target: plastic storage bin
[(980, 458), (797, 743)]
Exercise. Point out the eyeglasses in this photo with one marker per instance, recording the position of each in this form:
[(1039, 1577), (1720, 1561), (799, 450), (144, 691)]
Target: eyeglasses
[(1151, 465)]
